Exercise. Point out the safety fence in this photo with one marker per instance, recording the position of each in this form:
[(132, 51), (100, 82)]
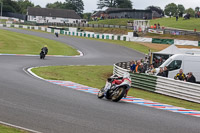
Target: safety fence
[(74, 32), (161, 85), (172, 31)]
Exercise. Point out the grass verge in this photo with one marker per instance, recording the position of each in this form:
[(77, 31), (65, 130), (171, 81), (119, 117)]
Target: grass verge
[(107, 30), (121, 22), (17, 43), (6, 129), (190, 24), (95, 76), (132, 45)]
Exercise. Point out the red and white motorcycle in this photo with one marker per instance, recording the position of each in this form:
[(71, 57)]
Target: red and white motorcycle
[(116, 87)]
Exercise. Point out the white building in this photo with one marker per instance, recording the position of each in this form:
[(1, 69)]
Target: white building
[(47, 15)]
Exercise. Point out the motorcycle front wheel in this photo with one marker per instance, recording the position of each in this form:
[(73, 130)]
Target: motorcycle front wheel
[(101, 93), (118, 94)]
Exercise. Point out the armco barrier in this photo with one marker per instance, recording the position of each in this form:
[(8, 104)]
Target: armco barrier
[(163, 41), (143, 81), (175, 88), (178, 89)]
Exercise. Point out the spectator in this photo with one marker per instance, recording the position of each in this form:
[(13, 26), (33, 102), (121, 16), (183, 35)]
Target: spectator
[(158, 25), (156, 61), (137, 66), (155, 26), (180, 75), (160, 61), (190, 78), (132, 66), (161, 73), (141, 68), (151, 70), (176, 17), (135, 34), (166, 71)]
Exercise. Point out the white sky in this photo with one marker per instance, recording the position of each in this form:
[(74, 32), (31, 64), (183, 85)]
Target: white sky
[(91, 5)]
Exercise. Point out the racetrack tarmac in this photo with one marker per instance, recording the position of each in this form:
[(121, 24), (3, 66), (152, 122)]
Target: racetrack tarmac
[(32, 103)]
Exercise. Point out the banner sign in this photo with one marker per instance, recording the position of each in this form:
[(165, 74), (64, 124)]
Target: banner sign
[(155, 31)]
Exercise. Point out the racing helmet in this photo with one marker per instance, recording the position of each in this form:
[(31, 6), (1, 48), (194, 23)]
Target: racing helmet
[(126, 75)]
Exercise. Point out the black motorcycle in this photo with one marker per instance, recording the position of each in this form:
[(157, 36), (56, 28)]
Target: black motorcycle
[(56, 34), (42, 54)]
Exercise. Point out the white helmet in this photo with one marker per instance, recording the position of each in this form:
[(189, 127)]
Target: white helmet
[(126, 75)]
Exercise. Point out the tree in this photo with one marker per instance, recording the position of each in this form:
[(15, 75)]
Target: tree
[(181, 10), (124, 4), (38, 6), (114, 3), (197, 9), (190, 11), (155, 8), (10, 6), (24, 4), (77, 5), (87, 16), (55, 5), (171, 9)]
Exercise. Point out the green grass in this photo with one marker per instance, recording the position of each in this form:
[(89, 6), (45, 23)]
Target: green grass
[(132, 45), (95, 76), (166, 22), (180, 24), (121, 22), (6, 129), (17, 43)]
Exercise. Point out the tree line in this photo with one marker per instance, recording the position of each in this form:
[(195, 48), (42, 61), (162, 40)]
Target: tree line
[(20, 6)]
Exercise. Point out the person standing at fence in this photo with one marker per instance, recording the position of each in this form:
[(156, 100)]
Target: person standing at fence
[(161, 73), (137, 66), (180, 76), (190, 78), (141, 68), (177, 17), (166, 71), (132, 66)]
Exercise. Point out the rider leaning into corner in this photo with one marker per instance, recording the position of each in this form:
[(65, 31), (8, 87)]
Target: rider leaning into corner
[(45, 49), (120, 80)]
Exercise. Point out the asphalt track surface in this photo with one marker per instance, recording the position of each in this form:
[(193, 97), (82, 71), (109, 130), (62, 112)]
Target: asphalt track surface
[(38, 105)]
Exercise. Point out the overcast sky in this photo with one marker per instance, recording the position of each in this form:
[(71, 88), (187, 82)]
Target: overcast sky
[(91, 5)]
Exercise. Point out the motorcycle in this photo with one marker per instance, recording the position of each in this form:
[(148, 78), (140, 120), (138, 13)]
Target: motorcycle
[(42, 54), (115, 92), (56, 34)]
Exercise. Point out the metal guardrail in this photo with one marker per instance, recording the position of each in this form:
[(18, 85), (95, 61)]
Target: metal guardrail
[(161, 85), (76, 25), (178, 31)]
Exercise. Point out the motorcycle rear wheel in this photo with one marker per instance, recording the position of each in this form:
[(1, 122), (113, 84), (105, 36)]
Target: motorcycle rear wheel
[(100, 93), (118, 95)]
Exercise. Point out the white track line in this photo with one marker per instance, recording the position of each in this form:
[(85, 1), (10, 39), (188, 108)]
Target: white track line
[(18, 127)]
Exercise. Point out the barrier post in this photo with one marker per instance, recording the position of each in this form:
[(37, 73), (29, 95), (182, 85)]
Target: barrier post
[(107, 37), (118, 37)]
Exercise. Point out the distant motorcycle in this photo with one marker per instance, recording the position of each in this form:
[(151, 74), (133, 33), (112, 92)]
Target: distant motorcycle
[(115, 92), (56, 34)]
